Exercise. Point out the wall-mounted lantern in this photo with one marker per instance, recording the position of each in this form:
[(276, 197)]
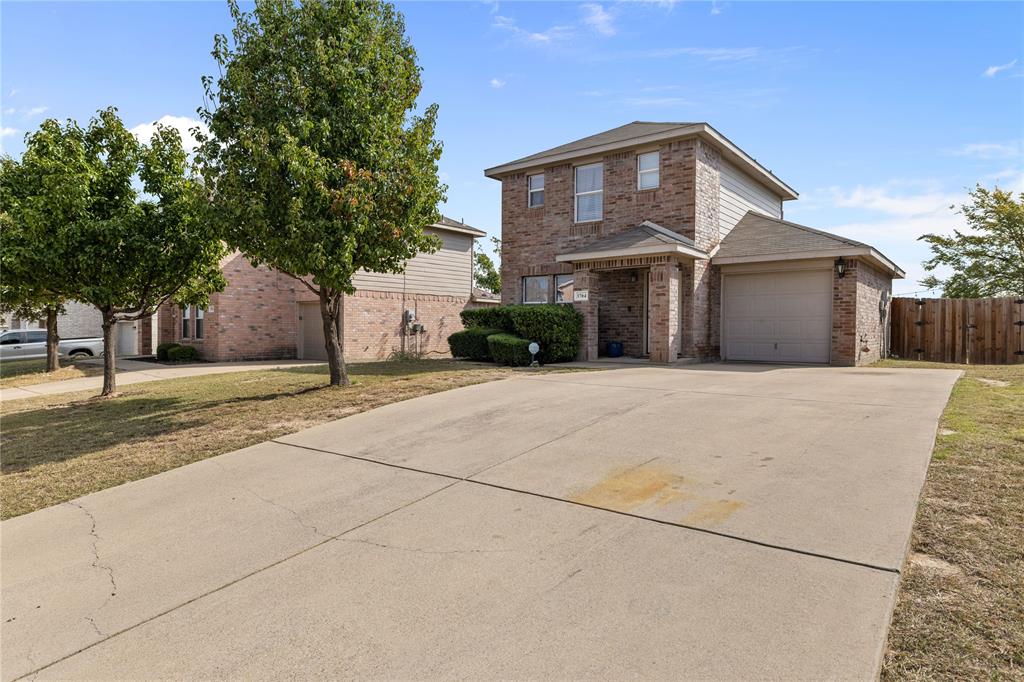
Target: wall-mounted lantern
[(840, 267)]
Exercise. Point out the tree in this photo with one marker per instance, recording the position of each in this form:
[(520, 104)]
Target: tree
[(988, 260), (39, 196), (320, 166), (133, 255), (485, 274)]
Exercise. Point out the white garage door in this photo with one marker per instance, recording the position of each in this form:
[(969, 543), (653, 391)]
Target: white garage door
[(778, 316), (312, 332)]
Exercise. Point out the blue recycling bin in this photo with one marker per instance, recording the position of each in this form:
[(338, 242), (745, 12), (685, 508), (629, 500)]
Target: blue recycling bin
[(615, 349)]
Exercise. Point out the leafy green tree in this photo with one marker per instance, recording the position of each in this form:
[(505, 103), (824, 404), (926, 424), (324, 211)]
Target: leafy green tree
[(39, 196), (320, 166), (485, 273), (135, 253), (989, 259)]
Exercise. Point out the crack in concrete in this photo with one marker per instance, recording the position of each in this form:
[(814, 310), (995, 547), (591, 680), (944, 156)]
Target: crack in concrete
[(96, 563), (425, 551), (298, 517)]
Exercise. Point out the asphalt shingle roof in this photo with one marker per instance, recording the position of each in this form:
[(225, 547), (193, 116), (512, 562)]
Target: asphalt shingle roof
[(759, 235), (644, 234), (620, 134)]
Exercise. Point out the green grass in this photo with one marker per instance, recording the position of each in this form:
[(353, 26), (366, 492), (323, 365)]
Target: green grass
[(57, 448), (14, 373), (960, 609)]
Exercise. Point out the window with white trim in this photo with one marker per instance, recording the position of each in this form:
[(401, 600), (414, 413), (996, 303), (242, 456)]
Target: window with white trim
[(589, 192), (200, 314), (647, 170), (563, 288), (535, 190), (186, 320), (535, 289)]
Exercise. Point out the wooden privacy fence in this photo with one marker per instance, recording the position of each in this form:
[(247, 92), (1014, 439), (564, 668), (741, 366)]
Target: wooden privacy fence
[(979, 331)]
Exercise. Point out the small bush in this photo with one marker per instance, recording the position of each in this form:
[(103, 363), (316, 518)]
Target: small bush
[(163, 348), (182, 353), (556, 327), (507, 349), (472, 343), (491, 317)]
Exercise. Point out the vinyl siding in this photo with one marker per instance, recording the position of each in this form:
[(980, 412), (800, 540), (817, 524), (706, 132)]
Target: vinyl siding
[(738, 194), (448, 272)]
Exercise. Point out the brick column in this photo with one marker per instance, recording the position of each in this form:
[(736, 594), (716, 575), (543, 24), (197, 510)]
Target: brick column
[(844, 316), (587, 280), (664, 307)]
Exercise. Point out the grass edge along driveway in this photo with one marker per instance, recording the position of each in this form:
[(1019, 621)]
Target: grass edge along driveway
[(960, 609), (57, 448)]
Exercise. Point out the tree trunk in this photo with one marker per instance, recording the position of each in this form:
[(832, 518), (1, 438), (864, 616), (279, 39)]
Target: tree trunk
[(109, 354), (52, 341), (332, 312)]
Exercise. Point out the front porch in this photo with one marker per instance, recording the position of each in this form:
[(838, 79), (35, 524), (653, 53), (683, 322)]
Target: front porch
[(636, 289)]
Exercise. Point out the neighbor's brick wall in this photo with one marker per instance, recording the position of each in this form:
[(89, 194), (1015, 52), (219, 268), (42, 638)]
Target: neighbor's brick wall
[(858, 333), (620, 310)]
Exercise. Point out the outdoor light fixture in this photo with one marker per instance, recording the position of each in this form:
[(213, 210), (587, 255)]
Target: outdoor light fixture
[(840, 267)]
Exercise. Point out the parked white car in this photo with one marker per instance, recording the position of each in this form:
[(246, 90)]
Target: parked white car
[(22, 344)]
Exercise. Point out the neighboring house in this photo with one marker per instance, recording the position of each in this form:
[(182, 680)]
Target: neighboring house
[(264, 314), (80, 320), (669, 238)]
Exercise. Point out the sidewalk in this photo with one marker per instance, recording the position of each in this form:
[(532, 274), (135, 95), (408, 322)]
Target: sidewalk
[(136, 372)]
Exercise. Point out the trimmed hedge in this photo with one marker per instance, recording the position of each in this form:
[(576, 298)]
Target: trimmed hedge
[(556, 327), (180, 353), (471, 343), (163, 348), (507, 349)]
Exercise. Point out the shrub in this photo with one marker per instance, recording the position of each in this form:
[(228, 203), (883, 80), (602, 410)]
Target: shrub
[(507, 349), (182, 353), (163, 348), (556, 327), (472, 343)]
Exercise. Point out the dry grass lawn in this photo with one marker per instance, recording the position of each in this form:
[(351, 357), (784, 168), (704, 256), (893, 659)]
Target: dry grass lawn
[(960, 610), (14, 373), (57, 448)]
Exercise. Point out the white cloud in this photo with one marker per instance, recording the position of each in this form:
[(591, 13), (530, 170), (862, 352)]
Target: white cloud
[(991, 150), (35, 111), (991, 71), (551, 35), (9, 111), (712, 54), (144, 131), (715, 8), (598, 19), (13, 92), (6, 131), (884, 199), (497, 83)]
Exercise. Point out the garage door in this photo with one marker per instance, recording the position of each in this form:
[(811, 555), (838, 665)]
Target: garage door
[(778, 316), (312, 332)]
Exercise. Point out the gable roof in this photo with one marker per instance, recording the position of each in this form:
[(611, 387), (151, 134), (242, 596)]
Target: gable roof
[(647, 238), (452, 225), (759, 238), (644, 132)]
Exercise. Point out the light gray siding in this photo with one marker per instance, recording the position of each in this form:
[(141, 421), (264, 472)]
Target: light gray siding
[(740, 193), (448, 272)]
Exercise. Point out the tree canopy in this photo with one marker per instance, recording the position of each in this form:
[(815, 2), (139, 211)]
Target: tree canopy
[(320, 165), (988, 260)]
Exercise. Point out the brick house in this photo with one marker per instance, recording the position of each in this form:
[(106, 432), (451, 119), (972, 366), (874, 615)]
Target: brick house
[(670, 240), (263, 314)]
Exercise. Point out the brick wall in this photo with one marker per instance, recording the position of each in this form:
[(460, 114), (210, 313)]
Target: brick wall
[(859, 334), (620, 310)]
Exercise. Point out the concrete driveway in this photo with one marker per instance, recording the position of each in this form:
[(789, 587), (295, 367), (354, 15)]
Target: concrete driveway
[(713, 522)]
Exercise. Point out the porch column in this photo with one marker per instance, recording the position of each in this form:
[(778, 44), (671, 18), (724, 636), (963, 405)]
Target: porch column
[(587, 280), (664, 311)]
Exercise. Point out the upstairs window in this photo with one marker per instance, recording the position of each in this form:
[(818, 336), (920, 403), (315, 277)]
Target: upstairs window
[(535, 289), (589, 192), (535, 193), (186, 320), (647, 172), (200, 314)]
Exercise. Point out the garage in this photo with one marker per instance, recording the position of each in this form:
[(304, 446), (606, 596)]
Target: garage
[(777, 316), (312, 329)]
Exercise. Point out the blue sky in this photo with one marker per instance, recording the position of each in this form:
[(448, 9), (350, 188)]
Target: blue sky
[(880, 114)]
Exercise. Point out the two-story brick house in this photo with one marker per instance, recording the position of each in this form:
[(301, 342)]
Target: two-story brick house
[(670, 240)]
